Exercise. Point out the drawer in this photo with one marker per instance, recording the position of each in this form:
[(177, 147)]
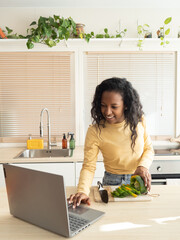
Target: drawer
[(65, 169)]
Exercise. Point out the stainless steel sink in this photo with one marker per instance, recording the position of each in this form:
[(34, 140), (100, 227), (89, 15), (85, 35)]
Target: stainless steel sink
[(43, 153)]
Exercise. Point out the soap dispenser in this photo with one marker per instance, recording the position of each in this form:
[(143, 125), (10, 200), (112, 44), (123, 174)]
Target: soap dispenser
[(64, 142), (72, 141)]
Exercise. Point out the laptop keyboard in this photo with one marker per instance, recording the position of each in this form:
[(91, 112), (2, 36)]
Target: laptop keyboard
[(76, 223)]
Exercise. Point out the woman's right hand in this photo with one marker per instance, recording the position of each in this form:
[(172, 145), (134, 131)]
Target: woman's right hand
[(77, 198)]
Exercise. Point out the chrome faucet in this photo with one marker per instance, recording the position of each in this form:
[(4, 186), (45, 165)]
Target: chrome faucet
[(48, 127)]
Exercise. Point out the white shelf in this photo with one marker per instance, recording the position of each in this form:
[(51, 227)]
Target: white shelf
[(114, 44)]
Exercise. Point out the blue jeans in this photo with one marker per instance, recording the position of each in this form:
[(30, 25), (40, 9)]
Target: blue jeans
[(116, 179)]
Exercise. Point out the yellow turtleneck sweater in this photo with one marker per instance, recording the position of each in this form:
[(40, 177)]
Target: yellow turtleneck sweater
[(114, 141)]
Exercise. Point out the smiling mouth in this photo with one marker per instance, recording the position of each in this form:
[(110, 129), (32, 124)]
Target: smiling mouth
[(111, 117)]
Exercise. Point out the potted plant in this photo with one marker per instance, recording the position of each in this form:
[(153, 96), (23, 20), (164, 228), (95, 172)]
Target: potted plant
[(144, 31), (50, 30), (79, 30)]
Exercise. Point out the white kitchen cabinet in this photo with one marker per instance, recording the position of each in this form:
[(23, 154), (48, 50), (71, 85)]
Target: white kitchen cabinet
[(70, 171), (99, 173), (65, 169)]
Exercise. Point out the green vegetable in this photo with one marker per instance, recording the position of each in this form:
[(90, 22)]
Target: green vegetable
[(128, 190), (136, 187), (120, 193), (138, 184), (134, 190)]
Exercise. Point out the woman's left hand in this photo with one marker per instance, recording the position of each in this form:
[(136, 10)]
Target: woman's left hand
[(146, 176)]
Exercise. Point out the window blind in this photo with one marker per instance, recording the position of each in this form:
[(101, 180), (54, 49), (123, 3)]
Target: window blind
[(151, 74), (30, 82)]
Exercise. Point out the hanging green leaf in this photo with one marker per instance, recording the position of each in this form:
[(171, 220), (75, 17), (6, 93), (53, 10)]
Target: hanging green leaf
[(50, 42), (140, 29), (29, 44), (107, 35), (139, 44), (72, 23), (167, 31), (33, 23), (42, 20), (56, 17), (99, 36), (65, 23), (167, 20), (35, 39), (106, 30), (51, 21), (9, 30), (146, 25)]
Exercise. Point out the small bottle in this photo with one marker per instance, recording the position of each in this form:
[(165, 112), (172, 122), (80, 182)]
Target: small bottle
[(64, 141), (72, 142)]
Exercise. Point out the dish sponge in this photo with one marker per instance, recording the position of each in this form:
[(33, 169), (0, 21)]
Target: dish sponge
[(35, 144)]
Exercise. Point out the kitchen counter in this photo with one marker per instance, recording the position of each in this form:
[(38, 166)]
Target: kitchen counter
[(7, 155), (157, 219)]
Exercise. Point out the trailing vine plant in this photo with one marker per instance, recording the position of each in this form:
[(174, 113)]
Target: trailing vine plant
[(143, 32), (105, 34), (47, 31), (164, 32), (52, 30)]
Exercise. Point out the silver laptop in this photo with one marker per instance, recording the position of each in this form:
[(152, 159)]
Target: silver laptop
[(40, 198)]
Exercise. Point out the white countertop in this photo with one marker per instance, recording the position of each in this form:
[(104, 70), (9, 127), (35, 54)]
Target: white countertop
[(156, 219), (7, 155)]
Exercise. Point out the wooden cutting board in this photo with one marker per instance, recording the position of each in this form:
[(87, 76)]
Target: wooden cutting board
[(140, 198)]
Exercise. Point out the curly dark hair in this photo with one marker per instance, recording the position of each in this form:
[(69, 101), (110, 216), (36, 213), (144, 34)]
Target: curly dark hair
[(132, 106)]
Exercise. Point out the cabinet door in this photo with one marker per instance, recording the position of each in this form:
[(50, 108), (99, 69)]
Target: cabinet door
[(65, 169), (99, 173)]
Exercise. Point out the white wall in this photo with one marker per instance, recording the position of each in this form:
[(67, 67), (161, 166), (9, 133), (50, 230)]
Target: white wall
[(92, 3), (95, 19)]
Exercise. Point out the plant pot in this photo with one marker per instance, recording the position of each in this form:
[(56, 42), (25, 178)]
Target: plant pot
[(80, 30), (160, 33), (148, 35)]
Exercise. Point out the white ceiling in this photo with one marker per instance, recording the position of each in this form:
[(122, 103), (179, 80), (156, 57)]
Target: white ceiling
[(92, 3)]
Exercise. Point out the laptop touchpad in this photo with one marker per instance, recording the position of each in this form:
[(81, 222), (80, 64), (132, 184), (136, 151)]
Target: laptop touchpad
[(78, 210)]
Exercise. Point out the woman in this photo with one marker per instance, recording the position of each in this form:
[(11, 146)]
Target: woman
[(119, 132)]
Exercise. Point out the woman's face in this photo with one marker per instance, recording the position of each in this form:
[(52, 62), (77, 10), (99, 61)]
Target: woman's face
[(112, 107)]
